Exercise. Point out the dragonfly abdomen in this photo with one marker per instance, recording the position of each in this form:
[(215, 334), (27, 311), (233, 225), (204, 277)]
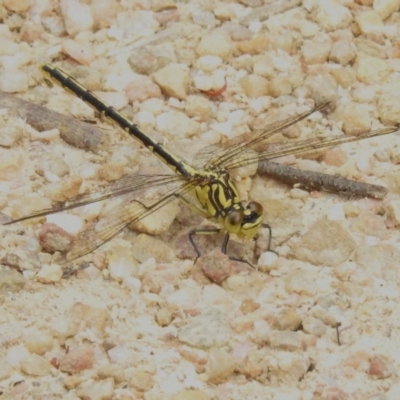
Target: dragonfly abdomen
[(59, 77)]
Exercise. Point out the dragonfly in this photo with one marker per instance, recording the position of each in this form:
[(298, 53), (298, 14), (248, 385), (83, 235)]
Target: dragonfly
[(204, 185)]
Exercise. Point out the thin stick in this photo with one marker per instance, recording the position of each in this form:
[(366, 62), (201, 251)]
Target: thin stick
[(319, 181), (76, 133)]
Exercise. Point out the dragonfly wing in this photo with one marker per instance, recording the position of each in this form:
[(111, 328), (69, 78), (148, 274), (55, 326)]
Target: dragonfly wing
[(276, 150), (134, 184), (130, 210), (224, 155)]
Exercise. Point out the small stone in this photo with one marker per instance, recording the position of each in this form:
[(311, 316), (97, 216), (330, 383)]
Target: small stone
[(64, 190), (91, 317), (209, 63), (248, 306), (325, 316), (323, 87), (112, 371), (216, 266), (365, 94), (111, 171), (81, 53), (326, 243), (13, 81), (389, 113), (255, 86), (192, 394), (186, 298), (285, 340), (77, 359), (205, 19), (286, 320), (345, 77), (215, 44), (121, 264), (54, 164), (6, 370), (342, 52), (67, 222), (385, 8), (104, 12), (142, 89), (267, 261), (371, 48), (220, 366), (145, 247), (256, 45), (141, 380), (355, 118), (198, 106), (315, 52), (163, 317), (18, 6), (174, 80), (53, 238), (147, 60), (380, 367), (330, 15), (314, 326), (10, 134), (50, 273), (177, 124), (335, 156), (35, 365), (280, 86), (371, 69), (77, 16), (11, 281), (154, 280), (38, 341), (369, 22), (300, 282), (97, 390), (263, 66), (209, 329)]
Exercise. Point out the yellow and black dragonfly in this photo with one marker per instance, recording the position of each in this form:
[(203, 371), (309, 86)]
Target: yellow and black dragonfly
[(205, 186)]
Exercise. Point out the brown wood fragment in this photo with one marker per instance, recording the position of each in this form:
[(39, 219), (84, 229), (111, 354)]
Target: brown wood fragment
[(76, 133), (319, 181)]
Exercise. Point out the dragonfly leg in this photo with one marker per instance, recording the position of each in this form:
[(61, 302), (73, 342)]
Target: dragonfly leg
[(266, 226), (213, 231), (210, 231)]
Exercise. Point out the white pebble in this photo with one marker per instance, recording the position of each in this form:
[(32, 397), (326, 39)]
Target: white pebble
[(209, 63), (68, 222), (50, 273), (77, 16), (121, 264), (13, 81)]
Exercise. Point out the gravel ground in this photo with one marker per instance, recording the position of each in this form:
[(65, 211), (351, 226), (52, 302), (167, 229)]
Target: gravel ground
[(139, 319)]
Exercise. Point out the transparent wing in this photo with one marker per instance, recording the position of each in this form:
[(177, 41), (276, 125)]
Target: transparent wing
[(128, 211), (133, 184), (301, 146), (222, 156), (244, 149)]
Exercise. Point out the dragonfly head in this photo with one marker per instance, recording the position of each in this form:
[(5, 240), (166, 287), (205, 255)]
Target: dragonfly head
[(245, 222)]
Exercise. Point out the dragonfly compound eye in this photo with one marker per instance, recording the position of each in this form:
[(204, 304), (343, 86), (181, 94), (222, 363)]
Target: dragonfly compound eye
[(235, 218), (255, 207)]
